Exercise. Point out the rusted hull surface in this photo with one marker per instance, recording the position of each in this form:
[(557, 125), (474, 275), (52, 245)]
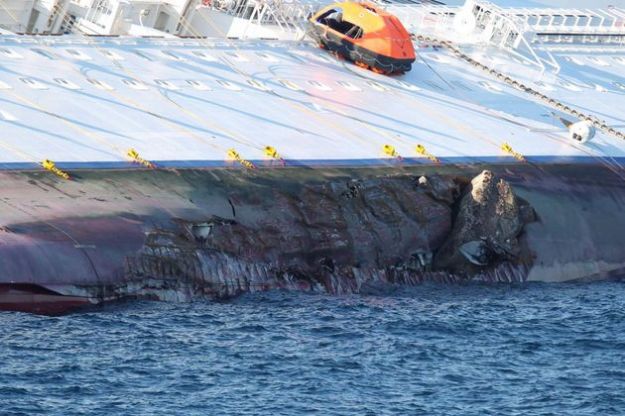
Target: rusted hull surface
[(65, 244)]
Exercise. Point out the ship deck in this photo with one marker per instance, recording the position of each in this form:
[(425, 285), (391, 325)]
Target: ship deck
[(84, 102)]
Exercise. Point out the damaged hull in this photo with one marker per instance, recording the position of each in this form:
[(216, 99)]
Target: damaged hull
[(181, 235)]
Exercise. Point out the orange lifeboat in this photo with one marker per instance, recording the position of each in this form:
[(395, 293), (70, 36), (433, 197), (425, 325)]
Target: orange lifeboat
[(366, 35)]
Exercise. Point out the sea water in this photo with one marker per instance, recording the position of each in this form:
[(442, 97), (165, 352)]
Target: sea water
[(533, 349)]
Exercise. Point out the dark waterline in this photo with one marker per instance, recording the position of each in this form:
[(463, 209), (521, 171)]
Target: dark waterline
[(535, 349)]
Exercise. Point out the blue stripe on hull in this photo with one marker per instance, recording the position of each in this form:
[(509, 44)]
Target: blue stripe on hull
[(585, 160)]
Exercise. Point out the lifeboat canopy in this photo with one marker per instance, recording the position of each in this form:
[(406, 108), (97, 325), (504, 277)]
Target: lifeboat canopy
[(365, 34)]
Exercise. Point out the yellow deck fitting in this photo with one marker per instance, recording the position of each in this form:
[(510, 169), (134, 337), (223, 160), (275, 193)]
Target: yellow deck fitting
[(508, 149), (423, 152), (134, 156), (390, 150), (234, 155), (50, 166), (272, 152)]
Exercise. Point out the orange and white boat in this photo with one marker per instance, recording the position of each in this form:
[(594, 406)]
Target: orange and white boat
[(365, 34)]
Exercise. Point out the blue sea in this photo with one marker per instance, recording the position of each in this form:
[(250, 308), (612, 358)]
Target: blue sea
[(534, 349)]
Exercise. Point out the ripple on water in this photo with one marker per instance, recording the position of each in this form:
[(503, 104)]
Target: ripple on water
[(437, 350)]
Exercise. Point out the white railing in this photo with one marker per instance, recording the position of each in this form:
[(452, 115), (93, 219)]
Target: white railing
[(287, 15), (574, 25), (477, 22)]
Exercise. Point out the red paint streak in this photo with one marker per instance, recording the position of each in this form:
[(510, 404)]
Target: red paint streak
[(38, 300)]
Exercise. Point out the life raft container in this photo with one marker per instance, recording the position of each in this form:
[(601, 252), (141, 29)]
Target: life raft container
[(365, 34)]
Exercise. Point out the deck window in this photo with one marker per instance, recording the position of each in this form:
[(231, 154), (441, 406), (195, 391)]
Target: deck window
[(36, 85), (144, 56), (134, 84), (78, 54), (434, 85), (166, 84), (228, 85), (43, 53), (408, 86), (598, 61), (112, 55), (348, 86), (172, 55), (66, 84), (237, 56), (198, 85), (376, 86), (267, 57), (100, 84), (290, 85), (319, 85), (9, 53), (461, 85), (204, 56), (258, 85)]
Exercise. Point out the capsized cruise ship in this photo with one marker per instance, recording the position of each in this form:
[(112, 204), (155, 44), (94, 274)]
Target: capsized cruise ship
[(99, 87)]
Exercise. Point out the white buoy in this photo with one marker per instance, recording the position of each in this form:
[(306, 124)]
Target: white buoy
[(582, 131)]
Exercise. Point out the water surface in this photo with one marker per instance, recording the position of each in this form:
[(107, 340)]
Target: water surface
[(534, 349)]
